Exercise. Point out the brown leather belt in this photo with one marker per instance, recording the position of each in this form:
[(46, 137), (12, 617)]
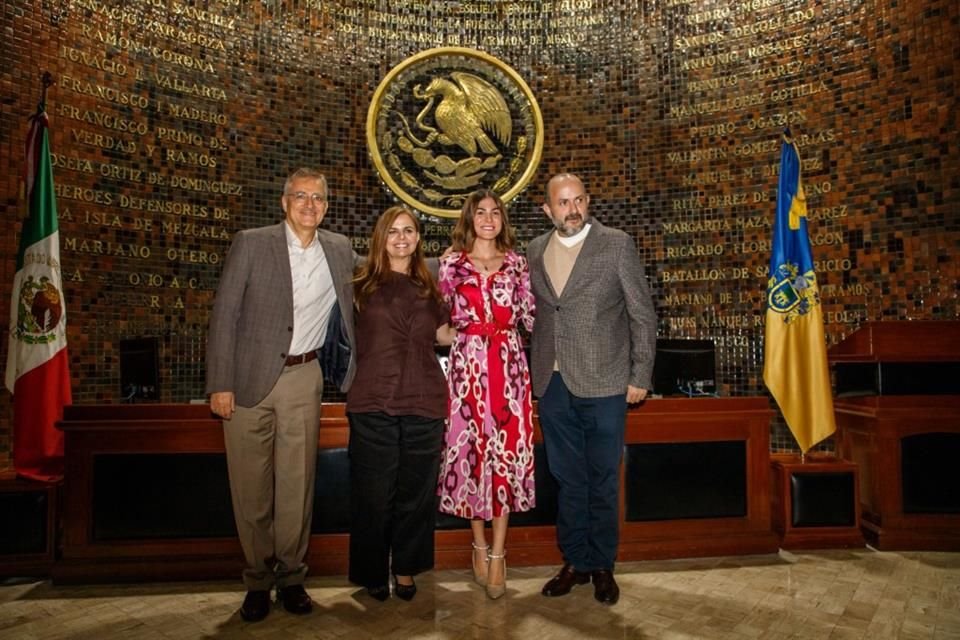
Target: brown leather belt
[(303, 357)]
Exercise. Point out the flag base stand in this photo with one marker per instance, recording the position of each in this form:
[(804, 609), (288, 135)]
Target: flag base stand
[(27, 536), (815, 501)]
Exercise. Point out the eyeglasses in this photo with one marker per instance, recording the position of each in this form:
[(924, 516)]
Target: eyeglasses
[(301, 197)]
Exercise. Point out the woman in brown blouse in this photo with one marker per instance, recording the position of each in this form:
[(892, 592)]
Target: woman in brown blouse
[(396, 407)]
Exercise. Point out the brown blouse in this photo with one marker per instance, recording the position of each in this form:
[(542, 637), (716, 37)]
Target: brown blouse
[(397, 369)]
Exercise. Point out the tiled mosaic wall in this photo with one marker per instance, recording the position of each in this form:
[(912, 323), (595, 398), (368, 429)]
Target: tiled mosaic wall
[(174, 124)]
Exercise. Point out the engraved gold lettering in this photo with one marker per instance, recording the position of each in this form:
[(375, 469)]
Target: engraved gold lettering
[(855, 316), (707, 177), (162, 206), (191, 158), (709, 61), (711, 15), (833, 264), (697, 226), (113, 67), (176, 135), (721, 129), (714, 106), (192, 256), (727, 200), (194, 230), (171, 32), (207, 186), (686, 204), (677, 299), (72, 163), (772, 72), (93, 196), (107, 248), (827, 213), (197, 115), (682, 322), (695, 156), (185, 87), (101, 219), (202, 15), (799, 91), (721, 82), (696, 250), (778, 120), (121, 173), (103, 142), (133, 46), (780, 46), (105, 120), (692, 275)]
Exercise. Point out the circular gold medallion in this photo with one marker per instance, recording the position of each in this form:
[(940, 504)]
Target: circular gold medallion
[(449, 121)]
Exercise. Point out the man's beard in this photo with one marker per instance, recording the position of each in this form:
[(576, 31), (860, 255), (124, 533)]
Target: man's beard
[(571, 225)]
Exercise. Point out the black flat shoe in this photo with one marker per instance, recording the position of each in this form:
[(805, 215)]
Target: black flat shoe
[(380, 593), (256, 605), (295, 599), (605, 588), (404, 591)]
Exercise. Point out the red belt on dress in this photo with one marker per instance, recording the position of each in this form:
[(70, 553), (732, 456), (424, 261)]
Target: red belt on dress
[(485, 329)]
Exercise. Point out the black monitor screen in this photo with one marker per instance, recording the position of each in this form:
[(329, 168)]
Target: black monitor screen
[(684, 367)]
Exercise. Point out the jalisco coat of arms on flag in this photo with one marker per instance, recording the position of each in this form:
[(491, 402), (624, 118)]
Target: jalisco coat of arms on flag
[(448, 121)]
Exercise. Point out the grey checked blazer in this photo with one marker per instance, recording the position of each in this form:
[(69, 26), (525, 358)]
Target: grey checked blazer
[(603, 330), (252, 321)]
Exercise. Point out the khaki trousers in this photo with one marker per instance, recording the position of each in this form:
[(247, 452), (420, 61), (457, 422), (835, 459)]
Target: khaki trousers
[(271, 460)]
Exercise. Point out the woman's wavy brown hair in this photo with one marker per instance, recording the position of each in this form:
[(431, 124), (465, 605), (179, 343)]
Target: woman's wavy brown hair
[(377, 267), (463, 234)]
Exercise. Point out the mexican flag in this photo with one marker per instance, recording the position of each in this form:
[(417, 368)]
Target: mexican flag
[(37, 371)]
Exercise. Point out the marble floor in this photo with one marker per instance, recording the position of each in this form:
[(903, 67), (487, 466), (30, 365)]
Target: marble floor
[(822, 594)]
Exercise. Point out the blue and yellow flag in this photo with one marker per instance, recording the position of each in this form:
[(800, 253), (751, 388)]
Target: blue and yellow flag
[(795, 351)]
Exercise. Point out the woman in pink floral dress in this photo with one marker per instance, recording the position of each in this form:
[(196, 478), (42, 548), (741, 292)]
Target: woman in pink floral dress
[(487, 467)]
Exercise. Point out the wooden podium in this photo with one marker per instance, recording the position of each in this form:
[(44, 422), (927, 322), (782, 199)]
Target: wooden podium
[(897, 405), (146, 494)]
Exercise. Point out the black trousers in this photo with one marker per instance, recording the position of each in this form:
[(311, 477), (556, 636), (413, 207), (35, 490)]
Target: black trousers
[(394, 462)]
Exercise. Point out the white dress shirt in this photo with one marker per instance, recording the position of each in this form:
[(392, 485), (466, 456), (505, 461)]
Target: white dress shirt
[(313, 294)]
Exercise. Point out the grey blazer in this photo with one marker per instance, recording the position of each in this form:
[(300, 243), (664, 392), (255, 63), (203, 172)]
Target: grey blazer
[(602, 331), (252, 321)]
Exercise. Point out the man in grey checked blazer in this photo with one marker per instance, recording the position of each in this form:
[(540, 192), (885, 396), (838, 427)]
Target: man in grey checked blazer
[(593, 346), (276, 293)]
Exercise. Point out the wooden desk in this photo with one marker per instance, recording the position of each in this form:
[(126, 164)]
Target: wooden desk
[(900, 423), (146, 495)]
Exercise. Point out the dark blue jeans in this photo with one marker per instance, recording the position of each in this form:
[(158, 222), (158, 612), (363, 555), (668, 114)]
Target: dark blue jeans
[(583, 438)]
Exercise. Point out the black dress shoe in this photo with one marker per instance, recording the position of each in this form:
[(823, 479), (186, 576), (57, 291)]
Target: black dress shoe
[(605, 588), (404, 591), (563, 582), (380, 593), (295, 599), (256, 606)]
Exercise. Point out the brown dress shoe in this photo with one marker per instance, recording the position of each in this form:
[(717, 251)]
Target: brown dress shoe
[(605, 588), (295, 599), (256, 606), (563, 582)]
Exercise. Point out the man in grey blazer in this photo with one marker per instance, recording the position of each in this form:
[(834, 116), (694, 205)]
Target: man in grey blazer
[(593, 344), (278, 287)]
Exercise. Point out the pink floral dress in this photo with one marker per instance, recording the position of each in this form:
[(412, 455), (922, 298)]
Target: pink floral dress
[(487, 465)]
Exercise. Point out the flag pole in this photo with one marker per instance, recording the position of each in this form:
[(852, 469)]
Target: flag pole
[(46, 81)]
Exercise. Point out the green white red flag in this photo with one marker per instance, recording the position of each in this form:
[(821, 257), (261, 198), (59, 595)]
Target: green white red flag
[(37, 371)]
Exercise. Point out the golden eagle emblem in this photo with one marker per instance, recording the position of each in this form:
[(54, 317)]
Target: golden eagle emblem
[(448, 121), (469, 109)]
